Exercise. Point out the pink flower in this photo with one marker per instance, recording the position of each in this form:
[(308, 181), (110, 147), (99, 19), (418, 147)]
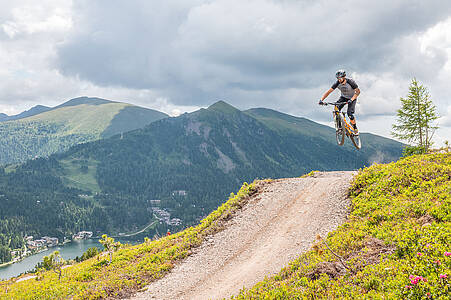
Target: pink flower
[(415, 279), (408, 286), (419, 254), (447, 253), (443, 276)]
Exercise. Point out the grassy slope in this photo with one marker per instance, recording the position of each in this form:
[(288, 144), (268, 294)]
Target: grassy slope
[(132, 266), (72, 177), (399, 229), (54, 131), (130, 118), (283, 122), (81, 119), (396, 243), (76, 121)]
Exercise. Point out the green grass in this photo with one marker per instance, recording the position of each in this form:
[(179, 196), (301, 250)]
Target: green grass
[(80, 119), (396, 243), (132, 267), (55, 130), (73, 176)]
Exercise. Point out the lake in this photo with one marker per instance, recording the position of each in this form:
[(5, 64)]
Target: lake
[(68, 251)]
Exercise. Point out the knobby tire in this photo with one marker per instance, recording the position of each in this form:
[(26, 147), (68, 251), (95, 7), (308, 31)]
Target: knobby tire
[(339, 130), (356, 141)]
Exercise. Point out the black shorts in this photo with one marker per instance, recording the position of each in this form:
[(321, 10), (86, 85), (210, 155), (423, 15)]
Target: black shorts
[(351, 107)]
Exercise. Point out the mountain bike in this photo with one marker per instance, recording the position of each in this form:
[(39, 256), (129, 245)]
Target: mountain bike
[(342, 127)]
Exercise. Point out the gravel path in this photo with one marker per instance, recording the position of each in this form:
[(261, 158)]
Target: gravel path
[(274, 228)]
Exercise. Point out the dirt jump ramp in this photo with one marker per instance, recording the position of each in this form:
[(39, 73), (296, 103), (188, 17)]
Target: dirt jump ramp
[(272, 229)]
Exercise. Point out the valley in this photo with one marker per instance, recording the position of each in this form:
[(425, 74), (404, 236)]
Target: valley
[(184, 166)]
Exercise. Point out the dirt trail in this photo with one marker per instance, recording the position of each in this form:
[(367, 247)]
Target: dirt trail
[(275, 227)]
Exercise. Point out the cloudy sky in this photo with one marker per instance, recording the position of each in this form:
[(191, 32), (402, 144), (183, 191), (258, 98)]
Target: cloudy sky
[(177, 56)]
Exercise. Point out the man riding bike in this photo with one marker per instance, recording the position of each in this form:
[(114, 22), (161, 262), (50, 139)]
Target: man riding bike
[(349, 93)]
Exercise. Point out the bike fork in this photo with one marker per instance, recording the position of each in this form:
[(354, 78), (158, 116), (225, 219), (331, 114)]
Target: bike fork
[(337, 120)]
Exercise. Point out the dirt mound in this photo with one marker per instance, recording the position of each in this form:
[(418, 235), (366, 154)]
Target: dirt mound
[(371, 252)]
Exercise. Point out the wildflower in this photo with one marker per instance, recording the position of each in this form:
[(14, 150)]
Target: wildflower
[(428, 295), (428, 245), (443, 276), (415, 279), (419, 254), (409, 286), (447, 253), (438, 262)]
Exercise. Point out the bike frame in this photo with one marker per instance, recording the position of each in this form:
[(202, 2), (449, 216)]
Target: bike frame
[(345, 128), (349, 128)]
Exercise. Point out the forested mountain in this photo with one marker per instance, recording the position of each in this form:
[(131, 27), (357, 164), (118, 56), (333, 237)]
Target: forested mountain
[(189, 163), (42, 131)]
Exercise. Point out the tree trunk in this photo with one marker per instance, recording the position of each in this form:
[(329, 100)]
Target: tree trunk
[(420, 126)]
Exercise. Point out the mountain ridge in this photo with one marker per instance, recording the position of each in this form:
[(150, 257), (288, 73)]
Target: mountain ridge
[(187, 163), (35, 110), (84, 100), (78, 120)]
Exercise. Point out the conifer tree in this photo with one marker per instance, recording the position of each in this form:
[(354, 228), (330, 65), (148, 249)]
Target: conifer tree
[(415, 118)]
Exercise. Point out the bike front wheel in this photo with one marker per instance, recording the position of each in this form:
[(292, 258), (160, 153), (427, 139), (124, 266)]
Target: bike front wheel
[(340, 131), (356, 141)]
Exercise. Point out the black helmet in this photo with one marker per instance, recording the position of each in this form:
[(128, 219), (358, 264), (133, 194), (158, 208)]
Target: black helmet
[(340, 74)]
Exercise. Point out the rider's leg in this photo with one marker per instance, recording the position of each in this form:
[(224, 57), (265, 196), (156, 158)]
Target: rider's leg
[(343, 102), (352, 118), (350, 112)]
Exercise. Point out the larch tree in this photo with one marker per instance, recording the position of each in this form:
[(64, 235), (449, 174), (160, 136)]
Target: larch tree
[(415, 118)]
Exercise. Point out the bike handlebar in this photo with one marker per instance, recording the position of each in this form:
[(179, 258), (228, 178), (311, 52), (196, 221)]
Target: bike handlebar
[(333, 103)]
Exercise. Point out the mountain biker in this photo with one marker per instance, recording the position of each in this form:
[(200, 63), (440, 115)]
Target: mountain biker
[(349, 93)]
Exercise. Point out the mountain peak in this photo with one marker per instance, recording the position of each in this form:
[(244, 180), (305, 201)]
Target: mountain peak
[(84, 100), (224, 107)]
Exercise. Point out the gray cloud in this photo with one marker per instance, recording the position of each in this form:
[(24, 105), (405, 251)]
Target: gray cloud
[(192, 49), (256, 53)]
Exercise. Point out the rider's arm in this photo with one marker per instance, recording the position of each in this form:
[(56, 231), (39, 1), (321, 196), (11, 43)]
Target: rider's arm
[(327, 94), (354, 85), (356, 94)]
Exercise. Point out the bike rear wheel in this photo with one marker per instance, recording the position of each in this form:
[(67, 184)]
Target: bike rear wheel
[(356, 141), (339, 129)]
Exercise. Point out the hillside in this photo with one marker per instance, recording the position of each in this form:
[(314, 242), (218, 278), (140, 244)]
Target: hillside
[(263, 237), (43, 131), (394, 243), (28, 113), (187, 164)]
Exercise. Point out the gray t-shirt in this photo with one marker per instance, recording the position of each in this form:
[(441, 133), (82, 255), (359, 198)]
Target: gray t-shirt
[(347, 89)]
